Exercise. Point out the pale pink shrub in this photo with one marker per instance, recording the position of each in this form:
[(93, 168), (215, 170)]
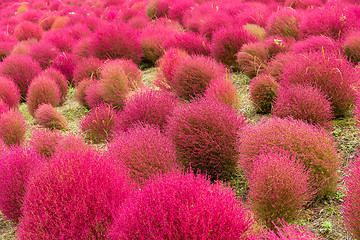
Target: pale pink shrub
[(351, 46), (305, 103), (311, 146), (316, 44), (48, 117), (148, 107), (144, 150), (178, 206), (13, 127), (284, 23), (289, 232), (9, 92), (65, 63), (59, 79), (223, 90), (189, 42), (263, 90), (100, 124), (44, 53), (42, 90), (44, 141), (27, 30), (280, 188), (204, 133), (16, 166), (73, 196), (87, 68), (21, 69)]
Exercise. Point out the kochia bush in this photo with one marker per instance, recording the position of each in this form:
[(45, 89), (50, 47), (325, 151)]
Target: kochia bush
[(47, 116), (289, 232), (13, 127), (351, 46), (9, 92), (223, 90), (178, 206), (189, 42), (284, 23), (27, 30), (44, 141)]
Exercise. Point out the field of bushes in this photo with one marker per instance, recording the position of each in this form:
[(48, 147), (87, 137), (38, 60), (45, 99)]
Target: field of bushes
[(185, 119)]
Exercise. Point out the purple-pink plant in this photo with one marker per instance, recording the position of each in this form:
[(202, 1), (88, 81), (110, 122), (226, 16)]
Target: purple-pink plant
[(351, 46), (48, 117), (93, 94), (27, 30), (65, 63), (59, 79), (263, 90), (275, 67), (289, 232), (223, 90), (13, 127), (316, 44), (73, 196), (280, 188), (182, 206), (44, 53), (204, 133), (44, 141), (9, 92), (16, 166), (87, 68), (60, 39), (189, 42), (284, 23)]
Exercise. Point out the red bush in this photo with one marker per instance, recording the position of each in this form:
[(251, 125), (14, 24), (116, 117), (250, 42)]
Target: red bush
[(204, 133), (21, 69), (65, 63), (223, 90), (16, 166), (63, 41), (316, 44), (177, 206), (73, 197), (311, 146), (351, 46), (305, 103), (87, 68), (276, 66), (80, 90), (42, 90), (44, 141), (13, 127), (284, 23), (27, 30), (263, 90), (44, 53), (131, 70), (7, 43), (280, 188), (47, 116), (92, 94), (59, 79), (70, 143), (82, 48), (9, 92), (287, 232)]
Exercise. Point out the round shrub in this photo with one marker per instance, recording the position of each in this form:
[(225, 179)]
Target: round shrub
[(157, 8), (144, 150), (305, 103), (252, 58), (44, 141), (100, 124), (148, 107), (73, 197), (80, 90), (3, 108), (332, 74), (263, 90), (311, 146), (70, 143), (116, 40), (351, 46), (9, 92), (189, 42), (227, 42), (47, 116), (21, 69), (255, 30), (60, 39), (93, 94), (283, 23), (193, 75), (42, 90), (16, 166), (316, 44), (13, 127), (131, 70), (178, 206), (204, 133), (277, 45), (223, 90), (280, 188), (27, 30), (82, 48), (59, 79), (44, 53), (276, 66), (87, 68), (7, 43), (287, 232), (351, 205), (65, 63)]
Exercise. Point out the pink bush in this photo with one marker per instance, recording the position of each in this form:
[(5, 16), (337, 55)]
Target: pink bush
[(131, 70), (44, 53), (223, 90), (351, 201), (100, 124), (7, 43), (16, 166), (179, 8), (9, 92), (63, 41), (178, 206), (93, 94), (13, 127), (70, 143), (316, 44), (190, 42), (227, 43), (65, 63), (305, 103), (351, 46), (116, 41), (82, 48), (59, 79), (332, 74), (276, 66), (263, 90), (42, 90), (157, 8), (80, 90), (21, 69), (280, 188), (311, 146), (284, 23), (277, 45), (27, 30), (303, 4), (48, 117), (44, 141), (145, 151), (204, 133), (148, 107), (3, 108), (87, 68), (289, 232), (73, 196)]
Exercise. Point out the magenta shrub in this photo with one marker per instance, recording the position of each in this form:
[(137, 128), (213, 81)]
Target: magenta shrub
[(44, 141), (311, 146), (42, 90), (277, 45), (48, 117), (70, 143), (7, 43), (316, 44), (9, 92), (16, 166), (73, 197), (44, 53), (87, 68), (263, 90), (204, 133), (289, 232), (100, 124), (13, 127), (351, 46), (189, 42), (303, 4), (21, 69), (227, 42), (80, 90), (179, 8), (284, 23), (157, 8), (59, 79), (27, 30), (4, 107), (223, 90), (116, 40), (280, 188), (305, 103), (93, 94), (275, 67), (131, 70), (82, 48), (332, 74), (144, 150), (65, 63), (178, 206), (60, 39)]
